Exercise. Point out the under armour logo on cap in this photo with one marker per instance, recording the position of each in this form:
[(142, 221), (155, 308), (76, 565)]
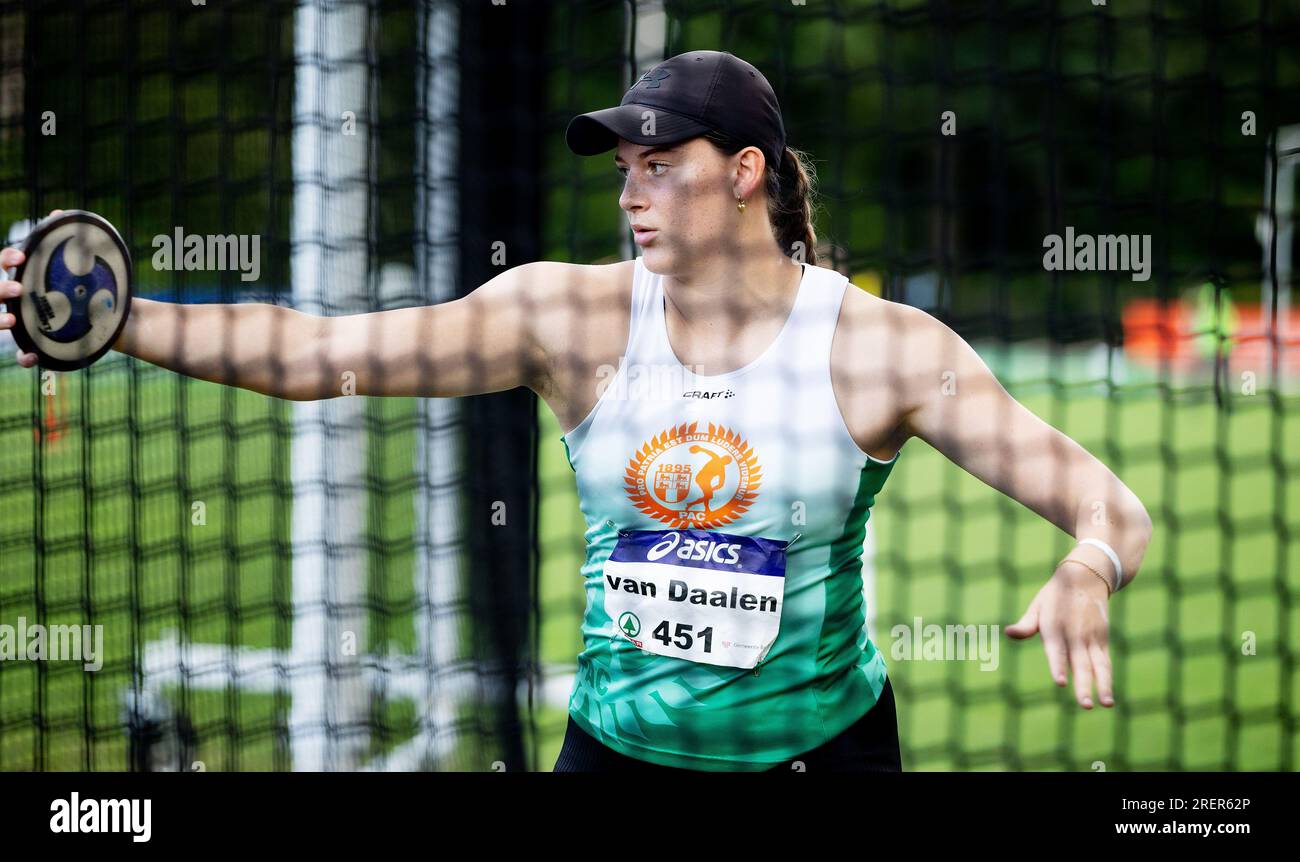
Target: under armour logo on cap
[(653, 77), (712, 90)]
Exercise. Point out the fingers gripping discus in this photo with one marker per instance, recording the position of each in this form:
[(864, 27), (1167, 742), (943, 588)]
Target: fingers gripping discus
[(76, 290)]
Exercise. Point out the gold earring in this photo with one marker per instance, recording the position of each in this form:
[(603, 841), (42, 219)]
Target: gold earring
[(740, 205)]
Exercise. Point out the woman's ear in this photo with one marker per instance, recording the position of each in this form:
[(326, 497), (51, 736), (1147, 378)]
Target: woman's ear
[(749, 173)]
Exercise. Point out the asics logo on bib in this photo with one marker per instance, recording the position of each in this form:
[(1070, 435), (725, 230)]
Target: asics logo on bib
[(701, 549), (696, 595), (693, 549), (663, 547)]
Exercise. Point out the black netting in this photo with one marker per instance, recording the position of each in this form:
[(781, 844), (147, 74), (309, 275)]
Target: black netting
[(353, 583)]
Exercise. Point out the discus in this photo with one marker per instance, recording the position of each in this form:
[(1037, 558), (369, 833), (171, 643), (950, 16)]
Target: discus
[(76, 296)]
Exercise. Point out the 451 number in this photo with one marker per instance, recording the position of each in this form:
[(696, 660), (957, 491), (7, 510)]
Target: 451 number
[(683, 636)]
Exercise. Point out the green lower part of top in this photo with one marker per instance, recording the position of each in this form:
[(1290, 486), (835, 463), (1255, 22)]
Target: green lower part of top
[(817, 681)]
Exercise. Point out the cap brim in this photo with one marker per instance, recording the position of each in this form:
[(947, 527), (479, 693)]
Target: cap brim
[(599, 131)]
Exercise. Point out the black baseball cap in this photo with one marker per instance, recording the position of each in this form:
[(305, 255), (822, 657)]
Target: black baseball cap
[(690, 94)]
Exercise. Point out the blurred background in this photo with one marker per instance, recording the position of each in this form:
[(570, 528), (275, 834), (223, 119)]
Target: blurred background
[(389, 154)]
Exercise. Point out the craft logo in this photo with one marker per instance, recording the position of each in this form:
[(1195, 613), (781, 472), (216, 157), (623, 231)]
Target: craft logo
[(688, 478)]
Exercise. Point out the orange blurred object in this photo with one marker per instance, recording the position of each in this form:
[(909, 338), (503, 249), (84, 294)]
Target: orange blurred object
[(1165, 333), (50, 425)]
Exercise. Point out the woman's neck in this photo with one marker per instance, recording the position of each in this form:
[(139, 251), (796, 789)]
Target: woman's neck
[(723, 291)]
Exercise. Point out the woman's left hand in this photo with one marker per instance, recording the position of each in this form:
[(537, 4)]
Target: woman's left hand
[(1070, 613)]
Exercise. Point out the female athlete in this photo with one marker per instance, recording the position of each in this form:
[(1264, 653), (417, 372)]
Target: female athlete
[(732, 411)]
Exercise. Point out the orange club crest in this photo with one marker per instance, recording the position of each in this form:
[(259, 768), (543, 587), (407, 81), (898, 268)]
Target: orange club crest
[(688, 478)]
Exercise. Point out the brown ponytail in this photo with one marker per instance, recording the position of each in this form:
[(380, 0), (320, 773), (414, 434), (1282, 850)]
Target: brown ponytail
[(791, 193)]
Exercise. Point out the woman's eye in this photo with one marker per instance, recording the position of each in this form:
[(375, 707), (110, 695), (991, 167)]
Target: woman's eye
[(622, 172)]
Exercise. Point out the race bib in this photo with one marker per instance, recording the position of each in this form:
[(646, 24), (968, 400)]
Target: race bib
[(700, 595)]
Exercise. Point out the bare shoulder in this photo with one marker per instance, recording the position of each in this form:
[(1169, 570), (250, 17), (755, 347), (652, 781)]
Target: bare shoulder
[(882, 351), (866, 318), (581, 319), (560, 288), (556, 281), (922, 347), (575, 305)]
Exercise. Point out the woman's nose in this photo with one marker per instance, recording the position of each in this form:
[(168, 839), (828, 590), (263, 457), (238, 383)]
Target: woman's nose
[(631, 198)]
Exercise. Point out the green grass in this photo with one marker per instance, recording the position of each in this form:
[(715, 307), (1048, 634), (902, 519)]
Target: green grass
[(1187, 696), (950, 550)]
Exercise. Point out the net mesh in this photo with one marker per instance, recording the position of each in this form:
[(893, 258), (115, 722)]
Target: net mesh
[(402, 599)]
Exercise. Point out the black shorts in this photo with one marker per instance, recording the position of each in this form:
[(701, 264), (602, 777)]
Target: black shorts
[(868, 745)]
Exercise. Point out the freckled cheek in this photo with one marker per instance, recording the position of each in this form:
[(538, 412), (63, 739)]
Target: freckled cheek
[(701, 191), (693, 201)]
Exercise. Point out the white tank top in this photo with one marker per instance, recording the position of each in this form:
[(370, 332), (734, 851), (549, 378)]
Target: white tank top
[(761, 452)]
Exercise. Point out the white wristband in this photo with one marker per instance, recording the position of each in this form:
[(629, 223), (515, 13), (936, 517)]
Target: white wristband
[(1114, 559)]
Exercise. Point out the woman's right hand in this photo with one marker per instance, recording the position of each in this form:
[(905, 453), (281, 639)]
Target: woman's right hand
[(9, 293)]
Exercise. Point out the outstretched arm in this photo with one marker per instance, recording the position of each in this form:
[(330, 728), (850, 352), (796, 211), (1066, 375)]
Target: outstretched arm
[(480, 343), (484, 342), (955, 404)]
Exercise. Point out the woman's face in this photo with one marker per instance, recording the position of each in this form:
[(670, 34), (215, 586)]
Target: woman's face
[(684, 195)]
